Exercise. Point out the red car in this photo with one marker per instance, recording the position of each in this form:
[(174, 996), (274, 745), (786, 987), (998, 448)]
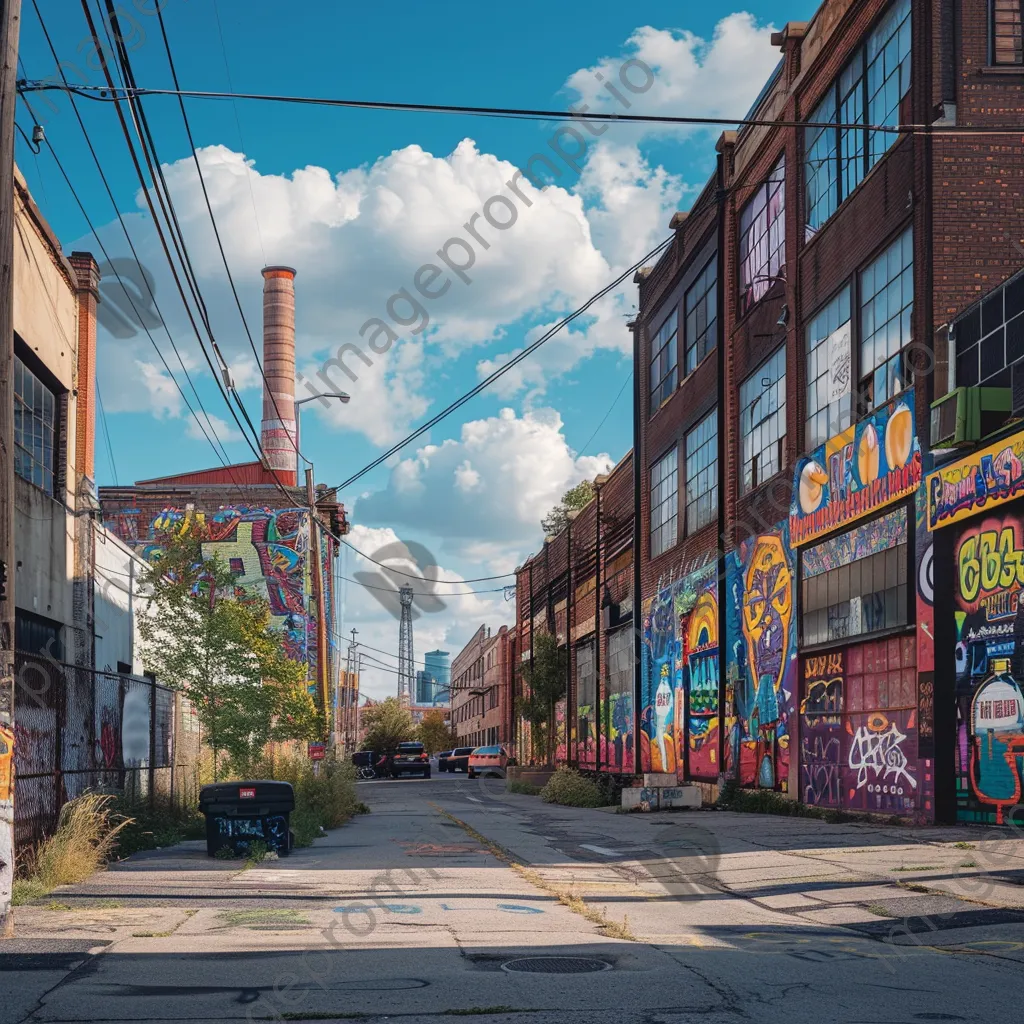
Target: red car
[(489, 761)]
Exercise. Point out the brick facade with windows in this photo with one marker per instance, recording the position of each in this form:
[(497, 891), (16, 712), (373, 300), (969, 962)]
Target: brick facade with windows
[(841, 250)]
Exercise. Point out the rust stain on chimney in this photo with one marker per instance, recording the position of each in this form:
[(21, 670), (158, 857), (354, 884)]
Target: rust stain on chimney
[(277, 433)]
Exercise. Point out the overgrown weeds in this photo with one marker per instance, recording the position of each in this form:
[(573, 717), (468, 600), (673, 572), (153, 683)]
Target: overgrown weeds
[(153, 828), (525, 788), (85, 839), (571, 789)]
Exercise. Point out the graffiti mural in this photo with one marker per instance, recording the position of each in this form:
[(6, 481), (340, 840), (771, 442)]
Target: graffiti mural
[(989, 576), (821, 729), (680, 716), (268, 551), (858, 471), (761, 660)]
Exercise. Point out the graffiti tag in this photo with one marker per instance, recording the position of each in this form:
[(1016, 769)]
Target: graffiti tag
[(881, 753)]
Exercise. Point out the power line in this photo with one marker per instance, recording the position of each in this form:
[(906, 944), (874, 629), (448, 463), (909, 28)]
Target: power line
[(106, 430), (113, 95), (505, 367), (422, 593), (216, 231), (142, 131), (615, 402), (413, 576)]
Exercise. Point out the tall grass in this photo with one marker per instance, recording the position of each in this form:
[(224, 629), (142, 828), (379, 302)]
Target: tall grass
[(324, 798), (86, 837)]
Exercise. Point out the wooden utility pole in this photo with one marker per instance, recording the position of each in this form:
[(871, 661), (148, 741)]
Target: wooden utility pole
[(318, 593), (10, 24)]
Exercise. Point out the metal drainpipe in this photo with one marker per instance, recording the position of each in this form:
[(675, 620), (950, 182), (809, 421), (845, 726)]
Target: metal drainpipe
[(722, 433), (637, 540), (572, 759), (597, 637)]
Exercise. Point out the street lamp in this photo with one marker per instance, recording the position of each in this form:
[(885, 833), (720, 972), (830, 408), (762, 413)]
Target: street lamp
[(341, 396)]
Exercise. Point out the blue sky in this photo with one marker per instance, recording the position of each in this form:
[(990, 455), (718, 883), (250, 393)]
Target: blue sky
[(367, 207)]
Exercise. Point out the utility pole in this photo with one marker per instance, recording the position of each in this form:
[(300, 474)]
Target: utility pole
[(10, 24), (351, 667), (318, 592)]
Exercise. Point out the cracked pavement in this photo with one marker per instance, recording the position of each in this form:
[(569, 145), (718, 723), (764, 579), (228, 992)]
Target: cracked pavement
[(416, 910)]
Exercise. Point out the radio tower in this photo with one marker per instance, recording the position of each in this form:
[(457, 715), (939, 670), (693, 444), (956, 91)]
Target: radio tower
[(406, 675)]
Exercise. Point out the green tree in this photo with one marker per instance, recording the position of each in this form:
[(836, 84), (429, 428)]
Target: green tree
[(387, 724), (214, 642), (573, 500), (435, 733), (544, 686)]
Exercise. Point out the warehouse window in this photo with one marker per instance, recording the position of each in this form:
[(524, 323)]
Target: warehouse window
[(763, 420), (701, 306), (763, 238), (35, 428), (1006, 32), (702, 473), (886, 307), (888, 75), (856, 583), (664, 503), (663, 362), (829, 406), (868, 92)]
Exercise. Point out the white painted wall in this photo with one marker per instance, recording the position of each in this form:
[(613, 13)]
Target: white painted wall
[(119, 601)]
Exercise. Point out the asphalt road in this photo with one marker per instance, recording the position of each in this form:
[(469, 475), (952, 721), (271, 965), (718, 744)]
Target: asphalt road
[(418, 911)]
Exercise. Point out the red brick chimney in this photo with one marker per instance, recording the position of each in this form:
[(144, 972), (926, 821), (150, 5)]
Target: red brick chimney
[(87, 276), (277, 433)]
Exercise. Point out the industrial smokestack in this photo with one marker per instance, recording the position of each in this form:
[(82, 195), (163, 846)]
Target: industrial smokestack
[(277, 434)]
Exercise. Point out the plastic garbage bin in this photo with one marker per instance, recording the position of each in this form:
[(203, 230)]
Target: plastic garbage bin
[(237, 813)]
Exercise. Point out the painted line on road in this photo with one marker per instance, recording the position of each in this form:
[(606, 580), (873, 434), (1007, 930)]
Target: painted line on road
[(603, 850), (475, 799)]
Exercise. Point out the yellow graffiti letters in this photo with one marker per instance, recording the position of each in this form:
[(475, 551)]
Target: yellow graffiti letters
[(989, 561)]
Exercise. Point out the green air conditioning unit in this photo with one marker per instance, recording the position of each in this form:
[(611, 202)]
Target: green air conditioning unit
[(966, 415)]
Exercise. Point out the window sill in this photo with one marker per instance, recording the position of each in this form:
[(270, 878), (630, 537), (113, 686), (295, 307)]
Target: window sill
[(860, 638), (1002, 70)]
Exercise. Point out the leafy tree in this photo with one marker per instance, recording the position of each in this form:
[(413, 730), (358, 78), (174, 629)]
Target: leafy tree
[(435, 733), (573, 499), (387, 724), (213, 641), (543, 687)]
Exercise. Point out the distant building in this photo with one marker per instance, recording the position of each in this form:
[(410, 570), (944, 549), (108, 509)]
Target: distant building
[(424, 687), (438, 666), (481, 697)]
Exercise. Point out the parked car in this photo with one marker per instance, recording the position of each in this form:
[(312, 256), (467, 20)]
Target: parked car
[(458, 760), (489, 761), (410, 759), (442, 760)]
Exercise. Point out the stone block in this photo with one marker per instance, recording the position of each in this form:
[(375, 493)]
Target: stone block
[(641, 799), (680, 796), (658, 779)]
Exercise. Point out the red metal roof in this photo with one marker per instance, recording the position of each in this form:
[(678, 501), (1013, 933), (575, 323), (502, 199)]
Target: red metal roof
[(241, 473)]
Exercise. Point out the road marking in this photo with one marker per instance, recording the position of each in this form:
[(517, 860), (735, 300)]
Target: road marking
[(475, 799), (603, 850)]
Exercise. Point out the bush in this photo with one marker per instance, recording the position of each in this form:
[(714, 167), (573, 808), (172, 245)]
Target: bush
[(86, 838), (570, 788), (322, 801)]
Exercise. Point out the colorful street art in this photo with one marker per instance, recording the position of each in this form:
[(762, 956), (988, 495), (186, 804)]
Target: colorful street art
[(856, 472), (617, 740), (989, 576), (680, 717), (978, 483), (268, 552), (859, 735), (761, 660), (821, 729)]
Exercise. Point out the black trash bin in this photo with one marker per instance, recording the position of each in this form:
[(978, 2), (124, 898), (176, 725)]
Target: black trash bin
[(237, 813)]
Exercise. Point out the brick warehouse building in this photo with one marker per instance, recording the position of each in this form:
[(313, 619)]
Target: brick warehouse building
[(271, 532), (785, 363), (579, 588), (481, 689)]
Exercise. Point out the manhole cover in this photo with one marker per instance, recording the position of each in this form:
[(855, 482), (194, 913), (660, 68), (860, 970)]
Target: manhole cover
[(556, 965)]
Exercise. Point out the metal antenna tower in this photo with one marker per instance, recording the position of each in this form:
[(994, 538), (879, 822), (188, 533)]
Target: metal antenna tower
[(406, 675)]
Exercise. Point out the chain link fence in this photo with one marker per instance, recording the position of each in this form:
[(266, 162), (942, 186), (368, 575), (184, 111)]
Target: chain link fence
[(79, 729)]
